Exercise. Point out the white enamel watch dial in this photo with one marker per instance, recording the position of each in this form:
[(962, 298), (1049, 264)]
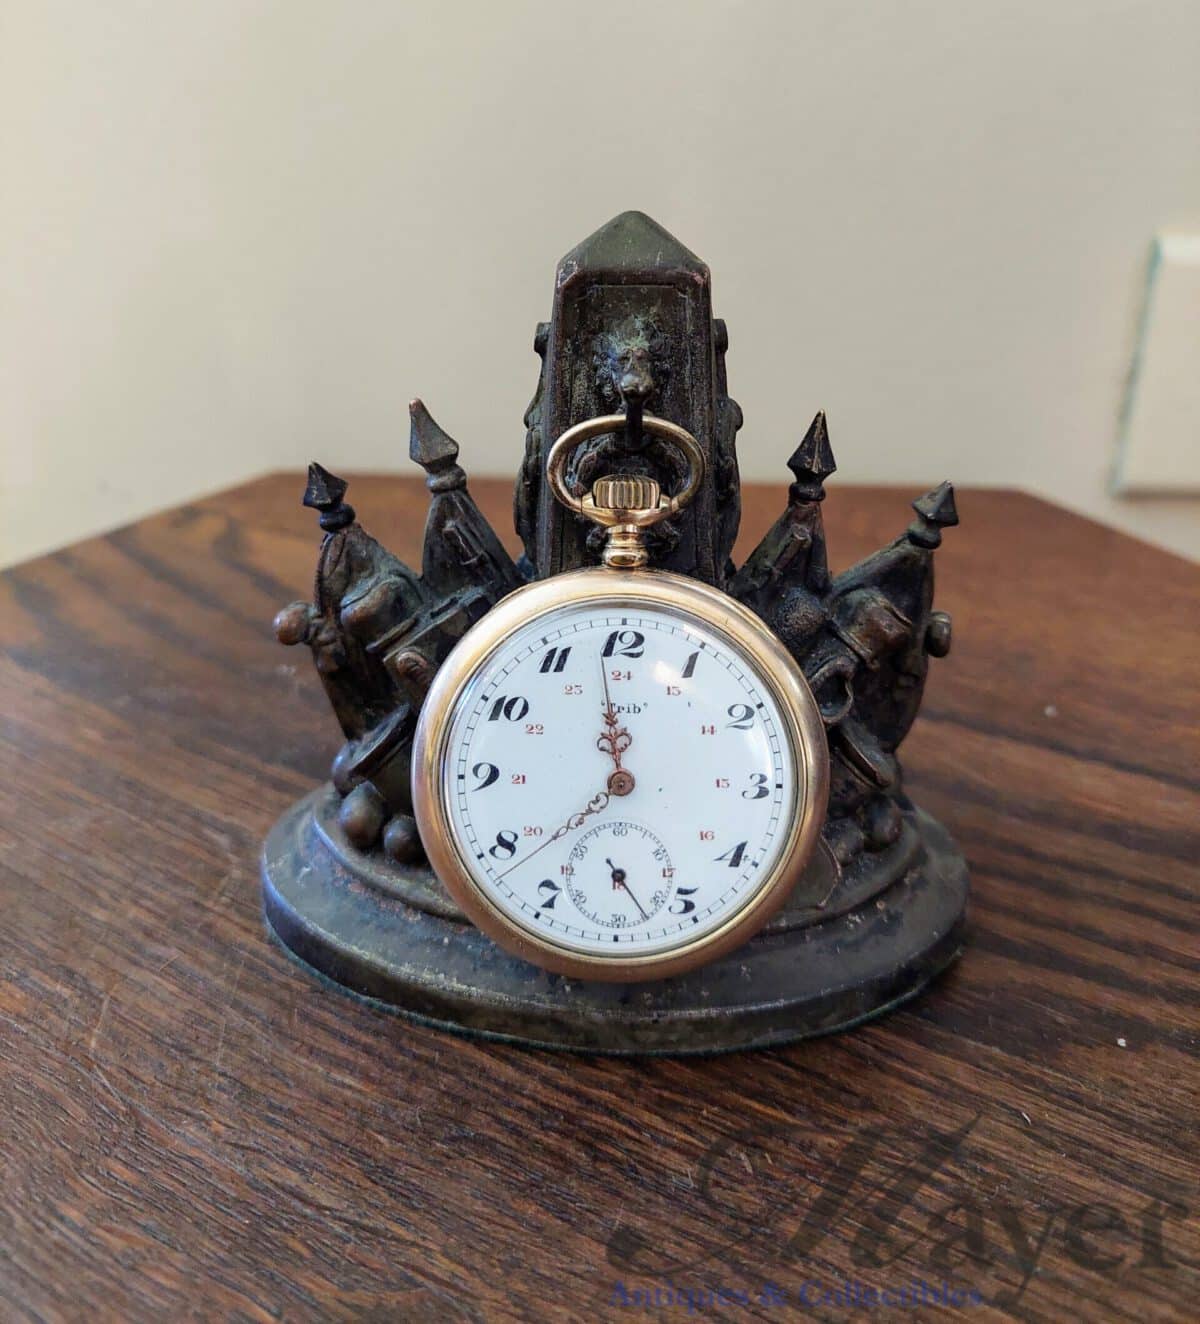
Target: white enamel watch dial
[(619, 775)]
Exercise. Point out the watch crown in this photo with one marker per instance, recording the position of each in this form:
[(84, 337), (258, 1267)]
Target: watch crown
[(625, 492)]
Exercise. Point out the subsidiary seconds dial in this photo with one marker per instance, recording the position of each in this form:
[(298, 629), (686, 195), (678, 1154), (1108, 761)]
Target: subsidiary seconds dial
[(626, 893)]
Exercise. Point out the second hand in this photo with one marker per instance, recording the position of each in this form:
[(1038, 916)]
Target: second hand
[(621, 880)]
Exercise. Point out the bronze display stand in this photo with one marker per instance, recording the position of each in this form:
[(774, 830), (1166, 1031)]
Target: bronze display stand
[(346, 888)]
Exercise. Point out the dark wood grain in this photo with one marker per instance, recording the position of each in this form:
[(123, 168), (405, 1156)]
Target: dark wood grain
[(192, 1128)]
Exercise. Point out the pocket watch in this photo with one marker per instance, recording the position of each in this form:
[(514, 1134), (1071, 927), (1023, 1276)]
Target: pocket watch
[(619, 773)]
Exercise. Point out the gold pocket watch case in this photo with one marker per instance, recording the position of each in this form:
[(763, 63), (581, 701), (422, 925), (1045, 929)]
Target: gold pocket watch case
[(620, 796)]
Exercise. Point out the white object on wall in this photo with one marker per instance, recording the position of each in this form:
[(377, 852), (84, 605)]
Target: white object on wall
[(1159, 449)]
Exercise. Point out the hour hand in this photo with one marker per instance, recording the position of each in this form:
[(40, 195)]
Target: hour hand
[(614, 740)]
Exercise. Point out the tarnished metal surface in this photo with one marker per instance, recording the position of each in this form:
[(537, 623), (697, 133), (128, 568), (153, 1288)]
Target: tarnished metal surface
[(781, 986), (631, 331)]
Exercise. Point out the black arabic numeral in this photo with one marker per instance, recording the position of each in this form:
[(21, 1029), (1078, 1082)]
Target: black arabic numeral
[(743, 717), (681, 900), (689, 667), (487, 774), (505, 847), (624, 643), (758, 787), (551, 891), (513, 709), (555, 659), (734, 854)]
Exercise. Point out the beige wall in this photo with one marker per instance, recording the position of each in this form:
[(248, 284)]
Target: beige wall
[(236, 235)]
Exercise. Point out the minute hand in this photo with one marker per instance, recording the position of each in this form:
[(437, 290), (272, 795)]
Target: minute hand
[(594, 806)]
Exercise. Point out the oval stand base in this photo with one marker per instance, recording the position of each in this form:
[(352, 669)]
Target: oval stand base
[(326, 906)]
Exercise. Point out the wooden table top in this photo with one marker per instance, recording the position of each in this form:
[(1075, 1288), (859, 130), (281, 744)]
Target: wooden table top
[(192, 1128)]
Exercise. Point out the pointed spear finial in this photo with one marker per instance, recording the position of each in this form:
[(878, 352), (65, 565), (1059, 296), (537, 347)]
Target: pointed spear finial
[(434, 450), (812, 462), (324, 493), (935, 512)]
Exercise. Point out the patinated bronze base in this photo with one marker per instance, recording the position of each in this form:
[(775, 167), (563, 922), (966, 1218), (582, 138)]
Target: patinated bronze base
[(346, 882), (851, 944)]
